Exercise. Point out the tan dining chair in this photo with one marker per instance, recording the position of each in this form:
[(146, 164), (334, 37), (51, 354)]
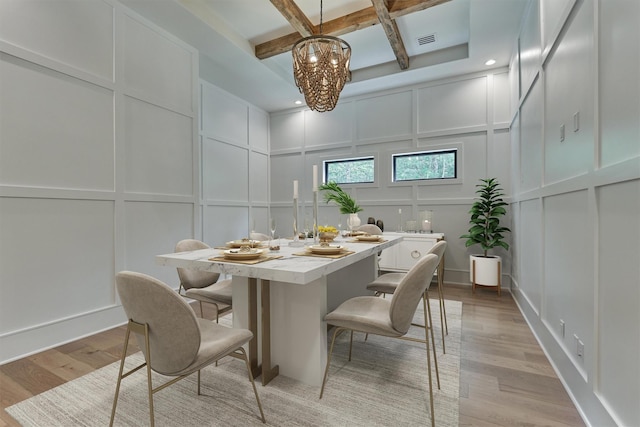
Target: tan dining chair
[(370, 229), (387, 317), (262, 237), (174, 341), (387, 283), (203, 286)]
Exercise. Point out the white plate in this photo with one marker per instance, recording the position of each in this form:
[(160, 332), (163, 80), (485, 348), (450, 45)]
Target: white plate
[(237, 255), (326, 250), (368, 238), (238, 243)]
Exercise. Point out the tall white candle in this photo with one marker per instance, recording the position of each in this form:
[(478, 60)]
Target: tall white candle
[(315, 177), (295, 188)]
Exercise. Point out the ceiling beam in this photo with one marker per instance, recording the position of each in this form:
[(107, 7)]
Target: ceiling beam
[(343, 25), (393, 34), (298, 20)]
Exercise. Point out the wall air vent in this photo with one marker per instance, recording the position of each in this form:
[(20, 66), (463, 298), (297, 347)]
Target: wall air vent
[(431, 38)]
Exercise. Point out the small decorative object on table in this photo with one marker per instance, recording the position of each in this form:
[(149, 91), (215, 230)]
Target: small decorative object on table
[(346, 203), (327, 233)]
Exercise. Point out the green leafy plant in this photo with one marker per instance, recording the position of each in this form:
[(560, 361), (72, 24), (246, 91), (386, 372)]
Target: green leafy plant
[(333, 193), (485, 213)]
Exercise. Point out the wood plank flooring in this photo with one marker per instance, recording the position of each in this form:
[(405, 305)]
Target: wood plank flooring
[(505, 378)]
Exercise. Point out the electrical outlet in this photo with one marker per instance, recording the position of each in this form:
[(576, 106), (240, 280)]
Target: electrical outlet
[(579, 346), (562, 327)]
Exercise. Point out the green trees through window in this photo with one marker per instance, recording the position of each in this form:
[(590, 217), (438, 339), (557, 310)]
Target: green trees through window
[(350, 171), (425, 165)]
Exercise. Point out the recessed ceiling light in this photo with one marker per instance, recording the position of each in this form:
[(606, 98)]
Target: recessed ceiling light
[(298, 102), (490, 62)]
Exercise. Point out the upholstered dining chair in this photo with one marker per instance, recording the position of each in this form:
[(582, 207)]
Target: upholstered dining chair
[(173, 340), (387, 283), (387, 317), (254, 235), (203, 286), (370, 229)]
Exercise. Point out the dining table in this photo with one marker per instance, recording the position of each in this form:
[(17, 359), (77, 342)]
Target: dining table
[(284, 295)]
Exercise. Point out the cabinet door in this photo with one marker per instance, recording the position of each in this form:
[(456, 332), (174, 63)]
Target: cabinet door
[(387, 259), (411, 250)]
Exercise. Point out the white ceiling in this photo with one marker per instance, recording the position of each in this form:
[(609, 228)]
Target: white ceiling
[(467, 34)]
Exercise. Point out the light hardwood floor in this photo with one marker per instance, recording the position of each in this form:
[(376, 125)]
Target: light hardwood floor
[(505, 378)]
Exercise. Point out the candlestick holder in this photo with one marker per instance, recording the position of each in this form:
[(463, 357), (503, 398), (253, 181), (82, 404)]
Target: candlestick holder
[(296, 235), (315, 217)]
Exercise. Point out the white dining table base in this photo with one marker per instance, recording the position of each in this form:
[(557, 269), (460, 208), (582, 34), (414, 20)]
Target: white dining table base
[(287, 320)]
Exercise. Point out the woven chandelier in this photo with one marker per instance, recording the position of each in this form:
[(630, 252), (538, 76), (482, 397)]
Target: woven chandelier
[(321, 69)]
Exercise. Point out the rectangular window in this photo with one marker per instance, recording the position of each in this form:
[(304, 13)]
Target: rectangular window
[(349, 171), (426, 165)]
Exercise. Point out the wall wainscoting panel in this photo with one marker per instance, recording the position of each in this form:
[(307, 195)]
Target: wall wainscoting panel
[(97, 168)]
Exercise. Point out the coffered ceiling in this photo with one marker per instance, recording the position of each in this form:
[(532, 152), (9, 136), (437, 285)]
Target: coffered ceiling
[(245, 45)]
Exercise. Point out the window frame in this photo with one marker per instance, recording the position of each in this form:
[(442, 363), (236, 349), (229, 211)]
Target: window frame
[(340, 159), (450, 180)]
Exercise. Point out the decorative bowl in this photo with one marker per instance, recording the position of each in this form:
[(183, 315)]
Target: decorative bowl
[(327, 236)]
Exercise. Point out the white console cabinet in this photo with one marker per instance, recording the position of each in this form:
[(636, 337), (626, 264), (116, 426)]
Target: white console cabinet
[(404, 255)]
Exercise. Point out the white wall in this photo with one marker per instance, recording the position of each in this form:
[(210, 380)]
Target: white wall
[(470, 113), (111, 151), (98, 163), (234, 138), (576, 202)]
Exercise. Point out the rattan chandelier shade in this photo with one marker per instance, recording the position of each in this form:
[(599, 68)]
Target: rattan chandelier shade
[(321, 69)]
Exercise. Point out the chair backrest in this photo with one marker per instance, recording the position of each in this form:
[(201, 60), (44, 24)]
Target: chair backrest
[(254, 235), (410, 290), (174, 336), (370, 229), (438, 248), (194, 278)]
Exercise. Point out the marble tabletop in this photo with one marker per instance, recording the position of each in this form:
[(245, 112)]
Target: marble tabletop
[(289, 268)]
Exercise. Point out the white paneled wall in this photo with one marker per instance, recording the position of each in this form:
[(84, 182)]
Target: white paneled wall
[(618, 298), (469, 113), (235, 163), (576, 207), (97, 163)]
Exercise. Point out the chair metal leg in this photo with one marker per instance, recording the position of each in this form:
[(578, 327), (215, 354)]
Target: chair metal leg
[(148, 363), (429, 325), (443, 317), (426, 339), (326, 369), (124, 356), (253, 384), (350, 345)]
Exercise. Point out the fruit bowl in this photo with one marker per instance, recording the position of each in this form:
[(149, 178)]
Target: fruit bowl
[(327, 236)]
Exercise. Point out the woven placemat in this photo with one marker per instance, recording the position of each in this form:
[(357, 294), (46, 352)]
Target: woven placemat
[(334, 256), (258, 260)]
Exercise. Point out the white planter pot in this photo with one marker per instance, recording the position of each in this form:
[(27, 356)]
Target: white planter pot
[(485, 271), (353, 221)]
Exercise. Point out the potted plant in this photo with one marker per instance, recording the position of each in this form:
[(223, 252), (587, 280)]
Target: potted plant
[(346, 203), (486, 231)]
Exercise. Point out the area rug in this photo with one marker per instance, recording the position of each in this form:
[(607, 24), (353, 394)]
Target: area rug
[(385, 384)]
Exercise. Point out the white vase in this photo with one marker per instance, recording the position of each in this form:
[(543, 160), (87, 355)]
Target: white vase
[(485, 271), (353, 221)]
